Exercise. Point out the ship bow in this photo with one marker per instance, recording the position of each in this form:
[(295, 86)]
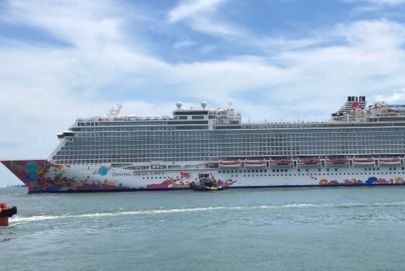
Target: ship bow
[(28, 171)]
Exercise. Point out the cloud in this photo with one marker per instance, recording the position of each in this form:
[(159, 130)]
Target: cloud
[(379, 7), (394, 98), (201, 15), (383, 2), (194, 8), (209, 17), (184, 44)]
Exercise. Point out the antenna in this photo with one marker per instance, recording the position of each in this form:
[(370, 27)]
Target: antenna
[(114, 111)]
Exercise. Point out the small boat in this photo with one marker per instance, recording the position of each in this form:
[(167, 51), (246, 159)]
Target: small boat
[(255, 163), (337, 161), (206, 183), (281, 162), (389, 161), (9, 212), (363, 161), (309, 162), (230, 164)]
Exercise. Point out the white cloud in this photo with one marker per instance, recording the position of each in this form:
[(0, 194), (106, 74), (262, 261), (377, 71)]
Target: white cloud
[(193, 8), (374, 6), (380, 3), (205, 16), (184, 44), (201, 15), (397, 97), (386, 2)]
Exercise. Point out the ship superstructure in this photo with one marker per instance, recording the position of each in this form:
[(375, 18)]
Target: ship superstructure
[(360, 145)]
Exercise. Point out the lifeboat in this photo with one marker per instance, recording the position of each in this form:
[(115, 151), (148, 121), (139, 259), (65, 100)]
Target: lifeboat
[(363, 161), (389, 161), (255, 163), (309, 162), (230, 164), (281, 162), (337, 161)]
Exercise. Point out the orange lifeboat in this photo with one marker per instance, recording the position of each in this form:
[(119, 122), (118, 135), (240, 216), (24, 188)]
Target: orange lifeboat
[(366, 161), (309, 162), (281, 162), (389, 161), (337, 161), (230, 164)]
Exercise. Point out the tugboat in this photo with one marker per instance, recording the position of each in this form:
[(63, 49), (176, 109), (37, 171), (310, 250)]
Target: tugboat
[(6, 213), (205, 183)]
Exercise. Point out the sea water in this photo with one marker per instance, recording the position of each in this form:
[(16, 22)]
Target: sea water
[(356, 228)]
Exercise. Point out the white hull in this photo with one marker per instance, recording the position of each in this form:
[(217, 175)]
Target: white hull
[(48, 177)]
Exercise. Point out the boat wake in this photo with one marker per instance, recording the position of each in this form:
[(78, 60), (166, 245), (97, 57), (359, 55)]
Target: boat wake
[(25, 219)]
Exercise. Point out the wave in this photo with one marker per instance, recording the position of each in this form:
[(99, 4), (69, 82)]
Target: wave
[(25, 219)]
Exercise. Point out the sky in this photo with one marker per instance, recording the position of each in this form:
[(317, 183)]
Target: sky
[(275, 60)]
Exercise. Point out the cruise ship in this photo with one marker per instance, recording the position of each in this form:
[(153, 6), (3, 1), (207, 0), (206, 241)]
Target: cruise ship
[(359, 145)]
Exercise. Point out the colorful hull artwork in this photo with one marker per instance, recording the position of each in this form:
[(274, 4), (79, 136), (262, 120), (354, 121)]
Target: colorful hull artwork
[(44, 176)]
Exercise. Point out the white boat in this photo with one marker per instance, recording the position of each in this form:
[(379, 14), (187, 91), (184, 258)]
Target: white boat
[(389, 161), (363, 161), (230, 164), (309, 162), (337, 161), (281, 162)]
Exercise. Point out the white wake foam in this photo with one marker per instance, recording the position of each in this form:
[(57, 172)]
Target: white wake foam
[(25, 219)]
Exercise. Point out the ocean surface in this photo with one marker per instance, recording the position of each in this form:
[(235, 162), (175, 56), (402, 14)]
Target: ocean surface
[(357, 228)]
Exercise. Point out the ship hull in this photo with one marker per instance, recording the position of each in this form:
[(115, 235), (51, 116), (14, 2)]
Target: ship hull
[(44, 176)]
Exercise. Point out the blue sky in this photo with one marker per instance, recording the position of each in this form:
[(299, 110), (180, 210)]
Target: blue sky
[(272, 59)]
